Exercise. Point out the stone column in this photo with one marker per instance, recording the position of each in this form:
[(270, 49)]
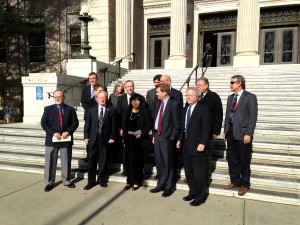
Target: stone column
[(247, 34), (177, 59), (123, 31)]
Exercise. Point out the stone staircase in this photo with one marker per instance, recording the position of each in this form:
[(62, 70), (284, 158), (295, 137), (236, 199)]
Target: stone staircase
[(276, 148)]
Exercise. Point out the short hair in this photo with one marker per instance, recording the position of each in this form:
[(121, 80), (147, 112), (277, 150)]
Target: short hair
[(93, 73), (103, 92), (193, 89), (157, 77), (127, 81), (167, 76), (240, 79), (164, 88), (98, 86), (204, 79), (58, 91), (117, 84)]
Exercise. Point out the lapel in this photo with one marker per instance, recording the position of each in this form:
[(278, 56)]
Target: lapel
[(107, 108), (193, 114), (168, 106), (65, 114), (241, 100)]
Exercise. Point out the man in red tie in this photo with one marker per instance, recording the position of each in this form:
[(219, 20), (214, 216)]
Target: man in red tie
[(166, 131), (59, 121)]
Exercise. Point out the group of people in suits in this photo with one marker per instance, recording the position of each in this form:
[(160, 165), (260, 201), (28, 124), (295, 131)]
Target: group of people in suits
[(190, 129)]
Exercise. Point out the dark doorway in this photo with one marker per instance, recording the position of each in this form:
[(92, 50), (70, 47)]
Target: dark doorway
[(212, 38)]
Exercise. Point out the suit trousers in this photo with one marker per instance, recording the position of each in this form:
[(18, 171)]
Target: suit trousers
[(164, 161), (195, 173), (97, 154), (239, 158), (51, 155), (209, 160)]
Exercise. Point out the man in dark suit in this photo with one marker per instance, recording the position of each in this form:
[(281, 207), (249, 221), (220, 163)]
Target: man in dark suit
[(152, 93), (240, 122), (213, 101), (193, 138), (99, 132), (166, 131), (59, 121), (88, 99)]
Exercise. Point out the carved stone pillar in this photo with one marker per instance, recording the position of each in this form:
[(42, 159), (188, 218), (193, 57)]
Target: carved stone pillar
[(123, 30), (177, 59), (247, 34)]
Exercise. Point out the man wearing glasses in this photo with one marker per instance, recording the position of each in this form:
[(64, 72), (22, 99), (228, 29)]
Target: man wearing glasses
[(240, 122), (59, 121)]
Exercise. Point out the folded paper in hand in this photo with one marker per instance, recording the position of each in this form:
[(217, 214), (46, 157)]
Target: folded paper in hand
[(135, 132), (68, 139)]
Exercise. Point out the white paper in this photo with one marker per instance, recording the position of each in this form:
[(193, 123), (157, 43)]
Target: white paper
[(68, 139), (135, 132)]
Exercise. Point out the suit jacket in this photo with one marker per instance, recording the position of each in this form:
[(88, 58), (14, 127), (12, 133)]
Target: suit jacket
[(86, 100), (213, 101), (150, 100), (245, 116), (50, 124), (175, 95), (198, 130), (170, 126), (91, 125)]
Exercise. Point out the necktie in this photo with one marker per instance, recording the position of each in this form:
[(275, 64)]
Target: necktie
[(188, 117), (233, 105), (161, 110), (60, 115), (101, 120), (202, 95), (232, 111)]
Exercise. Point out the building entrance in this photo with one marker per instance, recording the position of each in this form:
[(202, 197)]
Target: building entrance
[(159, 51)]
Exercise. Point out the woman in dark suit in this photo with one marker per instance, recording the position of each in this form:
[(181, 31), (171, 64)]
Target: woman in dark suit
[(136, 139)]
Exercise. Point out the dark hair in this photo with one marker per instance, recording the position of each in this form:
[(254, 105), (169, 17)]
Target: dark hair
[(157, 77), (140, 98), (93, 73), (204, 79), (241, 80)]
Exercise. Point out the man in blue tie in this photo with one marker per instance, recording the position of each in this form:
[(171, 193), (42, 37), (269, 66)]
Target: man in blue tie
[(193, 139)]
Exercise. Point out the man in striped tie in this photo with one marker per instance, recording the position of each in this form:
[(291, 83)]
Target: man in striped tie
[(99, 132)]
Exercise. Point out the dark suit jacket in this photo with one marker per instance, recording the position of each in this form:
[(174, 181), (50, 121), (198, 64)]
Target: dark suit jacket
[(150, 100), (175, 95), (198, 129), (213, 101), (170, 126), (50, 124), (245, 116), (92, 124), (86, 100)]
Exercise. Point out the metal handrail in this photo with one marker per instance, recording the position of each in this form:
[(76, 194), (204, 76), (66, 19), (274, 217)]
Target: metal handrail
[(104, 70), (187, 81), (72, 86)]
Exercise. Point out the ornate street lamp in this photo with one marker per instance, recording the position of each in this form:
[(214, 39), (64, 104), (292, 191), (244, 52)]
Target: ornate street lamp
[(85, 18)]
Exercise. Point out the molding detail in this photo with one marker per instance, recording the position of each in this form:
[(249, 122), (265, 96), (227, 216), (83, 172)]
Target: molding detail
[(159, 26), (273, 16), (167, 5), (217, 21)]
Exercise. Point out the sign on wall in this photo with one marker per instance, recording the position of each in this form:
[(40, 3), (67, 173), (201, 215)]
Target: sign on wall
[(39, 93)]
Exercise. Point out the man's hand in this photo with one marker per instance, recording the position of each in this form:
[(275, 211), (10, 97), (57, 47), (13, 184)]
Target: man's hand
[(247, 139), (178, 144), (87, 141), (121, 132), (153, 140), (65, 135), (200, 148), (57, 135), (110, 141), (137, 136)]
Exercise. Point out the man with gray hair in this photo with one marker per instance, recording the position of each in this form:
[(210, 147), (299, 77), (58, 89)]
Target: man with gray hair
[(59, 121)]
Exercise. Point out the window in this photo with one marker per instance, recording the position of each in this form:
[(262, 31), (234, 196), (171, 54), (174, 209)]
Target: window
[(36, 40), (2, 47), (74, 35)]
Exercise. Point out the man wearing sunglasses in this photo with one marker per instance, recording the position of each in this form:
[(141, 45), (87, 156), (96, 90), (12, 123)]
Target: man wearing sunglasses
[(240, 122)]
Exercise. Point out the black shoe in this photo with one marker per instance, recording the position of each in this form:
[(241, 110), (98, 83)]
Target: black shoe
[(156, 190), (127, 187), (85, 159), (103, 184), (49, 187), (124, 173), (188, 198), (196, 203), (70, 185), (89, 186), (167, 193)]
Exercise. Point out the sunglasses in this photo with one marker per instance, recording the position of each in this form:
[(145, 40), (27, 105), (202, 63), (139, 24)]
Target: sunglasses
[(232, 82)]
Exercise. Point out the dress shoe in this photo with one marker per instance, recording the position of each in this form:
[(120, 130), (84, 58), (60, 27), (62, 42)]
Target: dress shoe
[(230, 186), (188, 198), (156, 190), (196, 203), (70, 185), (127, 187), (124, 173), (49, 187), (243, 191), (89, 186), (103, 184), (134, 188), (167, 193)]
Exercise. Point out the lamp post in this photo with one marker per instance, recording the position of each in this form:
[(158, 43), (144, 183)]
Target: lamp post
[(85, 18)]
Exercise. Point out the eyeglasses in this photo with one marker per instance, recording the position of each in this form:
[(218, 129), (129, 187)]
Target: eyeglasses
[(58, 97), (232, 82)]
